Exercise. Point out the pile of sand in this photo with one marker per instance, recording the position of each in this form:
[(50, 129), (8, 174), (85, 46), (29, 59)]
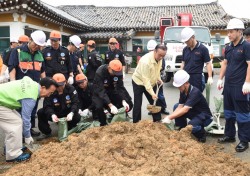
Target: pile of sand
[(144, 148)]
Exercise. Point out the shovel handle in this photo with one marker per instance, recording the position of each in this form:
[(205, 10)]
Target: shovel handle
[(157, 91)]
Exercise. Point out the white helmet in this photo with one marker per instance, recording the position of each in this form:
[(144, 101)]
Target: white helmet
[(235, 23), (13, 40), (75, 40), (226, 40), (48, 43), (186, 34), (180, 77), (151, 45), (38, 37)]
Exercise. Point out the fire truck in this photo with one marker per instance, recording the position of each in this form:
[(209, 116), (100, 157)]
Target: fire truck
[(170, 35)]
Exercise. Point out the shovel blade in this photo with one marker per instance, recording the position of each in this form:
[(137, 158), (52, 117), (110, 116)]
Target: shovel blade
[(153, 109)]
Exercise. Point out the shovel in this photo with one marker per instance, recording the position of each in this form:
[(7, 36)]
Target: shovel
[(153, 108)]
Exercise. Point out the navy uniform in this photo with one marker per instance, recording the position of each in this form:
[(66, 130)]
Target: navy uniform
[(57, 61), (75, 62), (236, 104), (199, 113), (6, 56), (94, 61), (108, 89), (194, 63), (27, 64), (61, 106), (111, 55), (85, 97)]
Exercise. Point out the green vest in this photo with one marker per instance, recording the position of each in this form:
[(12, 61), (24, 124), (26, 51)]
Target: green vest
[(12, 92), (26, 57)]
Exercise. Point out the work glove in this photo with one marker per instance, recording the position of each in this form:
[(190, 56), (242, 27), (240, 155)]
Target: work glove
[(82, 67), (113, 109), (210, 81), (219, 84), (29, 140), (71, 80), (84, 113), (246, 88), (54, 118), (70, 116), (166, 120), (125, 105)]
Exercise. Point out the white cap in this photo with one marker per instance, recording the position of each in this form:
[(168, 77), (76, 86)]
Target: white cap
[(75, 40), (186, 34), (226, 40), (151, 45), (38, 37), (48, 43), (235, 23), (14, 40), (180, 77)]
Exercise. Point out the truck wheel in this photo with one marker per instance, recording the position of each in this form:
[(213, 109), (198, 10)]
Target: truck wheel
[(169, 75)]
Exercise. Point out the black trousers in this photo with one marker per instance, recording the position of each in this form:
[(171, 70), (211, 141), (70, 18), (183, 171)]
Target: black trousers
[(138, 93), (44, 126)]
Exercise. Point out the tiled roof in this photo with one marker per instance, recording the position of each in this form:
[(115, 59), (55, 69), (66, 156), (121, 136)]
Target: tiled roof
[(107, 34), (144, 18)]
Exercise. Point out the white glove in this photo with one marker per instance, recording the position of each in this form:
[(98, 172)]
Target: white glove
[(210, 81), (71, 80), (166, 120), (246, 88), (29, 140), (82, 67), (54, 118), (113, 109), (3, 79), (84, 113), (124, 75), (219, 84), (70, 116), (125, 105)]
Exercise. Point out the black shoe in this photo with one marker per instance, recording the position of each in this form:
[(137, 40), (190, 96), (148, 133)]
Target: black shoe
[(34, 133), (22, 157), (241, 147), (165, 111), (202, 139), (43, 136), (226, 139)]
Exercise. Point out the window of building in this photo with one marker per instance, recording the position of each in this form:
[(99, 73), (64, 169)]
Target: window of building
[(4, 38)]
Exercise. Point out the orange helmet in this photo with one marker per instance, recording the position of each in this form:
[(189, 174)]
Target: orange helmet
[(80, 78), (59, 78), (55, 35), (116, 66), (23, 38), (91, 43), (112, 40)]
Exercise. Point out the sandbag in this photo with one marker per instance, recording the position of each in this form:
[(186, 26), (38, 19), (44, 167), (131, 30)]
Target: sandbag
[(219, 107), (62, 129), (120, 116)]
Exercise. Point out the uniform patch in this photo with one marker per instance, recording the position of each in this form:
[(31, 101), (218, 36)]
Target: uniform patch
[(74, 92), (67, 97), (55, 100), (89, 57), (62, 54), (115, 79), (117, 55), (48, 54), (105, 81), (107, 55)]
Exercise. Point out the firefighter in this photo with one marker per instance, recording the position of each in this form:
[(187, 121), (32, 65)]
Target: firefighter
[(80, 54), (247, 34), (109, 91), (15, 95), (74, 44), (94, 60), (6, 55), (85, 92), (57, 59), (63, 103), (145, 78), (27, 60), (235, 68), (192, 105), (114, 53), (195, 54)]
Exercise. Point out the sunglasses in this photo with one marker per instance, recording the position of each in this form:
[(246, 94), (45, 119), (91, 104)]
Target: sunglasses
[(112, 43)]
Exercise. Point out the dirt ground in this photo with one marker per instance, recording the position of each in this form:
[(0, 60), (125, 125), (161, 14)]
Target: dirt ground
[(125, 148)]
